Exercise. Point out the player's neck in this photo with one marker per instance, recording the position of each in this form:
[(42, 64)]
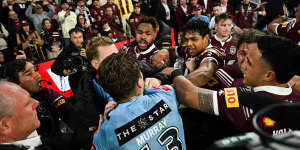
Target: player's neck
[(222, 38)]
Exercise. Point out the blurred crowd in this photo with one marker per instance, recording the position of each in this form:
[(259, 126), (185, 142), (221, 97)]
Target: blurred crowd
[(178, 76)]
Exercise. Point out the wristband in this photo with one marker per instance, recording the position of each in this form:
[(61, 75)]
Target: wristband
[(175, 73)]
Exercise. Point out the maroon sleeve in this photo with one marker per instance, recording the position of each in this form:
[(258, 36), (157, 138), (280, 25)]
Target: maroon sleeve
[(216, 55), (283, 28), (230, 108)]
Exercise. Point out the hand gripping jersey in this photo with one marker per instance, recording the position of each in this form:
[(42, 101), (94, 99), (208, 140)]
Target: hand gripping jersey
[(216, 56), (150, 121), (290, 29)]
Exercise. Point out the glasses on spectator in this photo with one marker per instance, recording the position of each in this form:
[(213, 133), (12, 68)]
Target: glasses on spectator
[(38, 7)]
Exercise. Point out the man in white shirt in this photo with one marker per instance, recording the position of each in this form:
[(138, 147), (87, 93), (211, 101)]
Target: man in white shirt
[(67, 21)]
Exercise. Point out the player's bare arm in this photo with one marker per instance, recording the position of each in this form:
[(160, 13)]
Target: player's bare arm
[(192, 96), (203, 73)]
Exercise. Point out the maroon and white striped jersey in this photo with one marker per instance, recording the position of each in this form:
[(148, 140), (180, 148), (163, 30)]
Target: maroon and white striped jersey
[(229, 76)]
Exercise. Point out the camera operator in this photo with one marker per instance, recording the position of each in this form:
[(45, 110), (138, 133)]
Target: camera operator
[(73, 57), (89, 99)]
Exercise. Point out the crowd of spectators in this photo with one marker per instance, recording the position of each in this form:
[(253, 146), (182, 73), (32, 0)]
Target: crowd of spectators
[(222, 49)]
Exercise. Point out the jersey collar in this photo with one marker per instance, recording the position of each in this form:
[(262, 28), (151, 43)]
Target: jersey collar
[(274, 90)]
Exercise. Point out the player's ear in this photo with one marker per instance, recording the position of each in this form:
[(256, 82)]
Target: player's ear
[(270, 76), (140, 82), (5, 126)]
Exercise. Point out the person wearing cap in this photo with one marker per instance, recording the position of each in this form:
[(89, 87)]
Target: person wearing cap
[(135, 18), (197, 10), (67, 21), (39, 14), (30, 42)]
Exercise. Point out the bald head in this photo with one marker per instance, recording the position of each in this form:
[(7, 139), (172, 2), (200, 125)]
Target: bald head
[(18, 113), (7, 102)]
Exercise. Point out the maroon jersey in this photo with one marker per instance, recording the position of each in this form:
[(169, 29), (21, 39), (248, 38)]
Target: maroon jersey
[(226, 47), (229, 75), (134, 20), (182, 16), (208, 8), (290, 30), (146, 55), (244, 17), (241, 116), (115, 9)]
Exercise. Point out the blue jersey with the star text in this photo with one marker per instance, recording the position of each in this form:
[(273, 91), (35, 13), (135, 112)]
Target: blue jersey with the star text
[(148, 122)]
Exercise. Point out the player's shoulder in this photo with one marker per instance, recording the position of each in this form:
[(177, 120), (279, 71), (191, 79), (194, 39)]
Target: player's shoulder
[(212, 50)]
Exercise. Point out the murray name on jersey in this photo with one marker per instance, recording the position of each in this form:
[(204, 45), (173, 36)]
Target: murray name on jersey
[(142, 123)]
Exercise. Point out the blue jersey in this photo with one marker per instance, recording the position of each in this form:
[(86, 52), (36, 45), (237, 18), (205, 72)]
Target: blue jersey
[(150, 121), (202, 18)]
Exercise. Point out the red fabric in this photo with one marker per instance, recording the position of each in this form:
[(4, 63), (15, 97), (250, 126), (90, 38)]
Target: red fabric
[(43, 67)]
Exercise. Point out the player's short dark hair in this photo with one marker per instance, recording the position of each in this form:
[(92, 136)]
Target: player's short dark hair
[(249, 36), (196, 26), (282, 55), (149, 20), (118, 75), (223, 16), (215, 4), (10, 70), (75, 30)]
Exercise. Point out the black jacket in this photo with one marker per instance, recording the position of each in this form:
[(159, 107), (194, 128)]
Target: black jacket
[(68, 53)]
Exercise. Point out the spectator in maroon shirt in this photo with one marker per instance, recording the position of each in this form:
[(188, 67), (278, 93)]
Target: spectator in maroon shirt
[(113, 20), (244, 15), (135, 17), (182, 14), (114, 7)]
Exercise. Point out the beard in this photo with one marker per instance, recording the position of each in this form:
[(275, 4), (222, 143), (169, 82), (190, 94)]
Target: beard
[(143, 45)]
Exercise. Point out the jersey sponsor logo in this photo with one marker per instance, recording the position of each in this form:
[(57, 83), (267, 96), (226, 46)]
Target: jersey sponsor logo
[(143, 122), (231, 97), (282, 131)]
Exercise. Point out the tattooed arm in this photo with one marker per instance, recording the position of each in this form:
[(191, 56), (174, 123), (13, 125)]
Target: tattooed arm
[(194, 97)]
